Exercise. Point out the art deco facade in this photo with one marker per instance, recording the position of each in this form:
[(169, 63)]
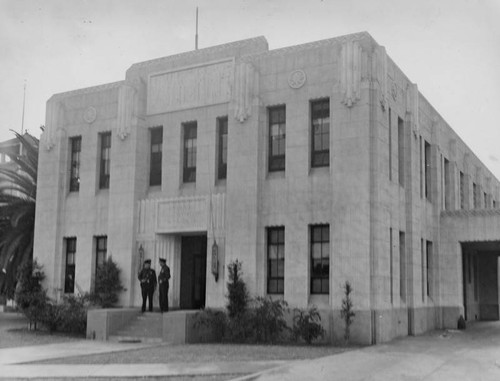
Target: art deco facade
[(312, 164)]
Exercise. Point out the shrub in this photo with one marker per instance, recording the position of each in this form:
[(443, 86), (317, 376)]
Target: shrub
[(267, 319), (73, 314), (237, 291), (215, 321), (307, 325), (347, 312), (107, 284), (30, 297)]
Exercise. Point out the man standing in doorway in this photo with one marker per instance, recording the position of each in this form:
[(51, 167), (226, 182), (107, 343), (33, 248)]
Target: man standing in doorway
[(163, 278), (147, 277)]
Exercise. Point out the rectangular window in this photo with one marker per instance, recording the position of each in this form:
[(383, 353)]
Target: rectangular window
[(105, 160), (156, 148), (74, 176), (402, 266), (190, 134), (421, 157), (277, 138), (476, 280), (222, 154), (423, 266), (101, 249), (69, 274), (447, 185), (462, 190), (390, 144), (401, 152), (320, 259), (485, 197), (427, 163), (475, 195), (391, 269), (276, 260), (428, 260), (320, 134)]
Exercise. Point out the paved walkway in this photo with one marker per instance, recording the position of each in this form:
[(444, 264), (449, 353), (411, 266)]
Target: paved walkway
[(473, 354)]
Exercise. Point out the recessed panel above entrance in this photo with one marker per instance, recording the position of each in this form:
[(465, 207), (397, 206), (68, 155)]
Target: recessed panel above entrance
[(190, 87)]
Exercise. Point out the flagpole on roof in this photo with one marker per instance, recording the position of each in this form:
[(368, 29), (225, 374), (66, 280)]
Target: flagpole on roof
[(196, 36)]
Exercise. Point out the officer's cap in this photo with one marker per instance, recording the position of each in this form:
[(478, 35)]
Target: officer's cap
[(162, 260), (147, 261)]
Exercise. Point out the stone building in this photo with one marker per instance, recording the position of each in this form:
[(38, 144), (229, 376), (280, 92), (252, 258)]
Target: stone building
[(312, 164)]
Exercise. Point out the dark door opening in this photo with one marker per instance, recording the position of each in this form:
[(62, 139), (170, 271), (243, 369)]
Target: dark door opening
[(193, 271)]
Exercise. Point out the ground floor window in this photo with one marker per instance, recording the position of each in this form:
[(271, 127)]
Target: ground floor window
[(320, 259), (101, 249), (69, 276), (276, 260)]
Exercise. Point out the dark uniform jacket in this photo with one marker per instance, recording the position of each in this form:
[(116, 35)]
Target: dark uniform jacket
[(147, 277), (164, 276)]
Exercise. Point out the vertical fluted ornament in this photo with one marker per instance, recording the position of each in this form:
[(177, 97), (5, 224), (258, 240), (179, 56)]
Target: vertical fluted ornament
[(381, 72), (350, 72), (53, 122), (126, 117), (412, 104), (243, 90)]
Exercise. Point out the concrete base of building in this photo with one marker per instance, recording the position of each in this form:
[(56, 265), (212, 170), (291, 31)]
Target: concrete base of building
[(179, 326), (101, 323)]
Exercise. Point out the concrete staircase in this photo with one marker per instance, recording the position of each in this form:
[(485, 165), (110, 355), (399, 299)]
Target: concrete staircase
[(145, 328)]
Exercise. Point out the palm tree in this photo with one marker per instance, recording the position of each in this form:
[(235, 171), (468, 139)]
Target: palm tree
[(17, 210)]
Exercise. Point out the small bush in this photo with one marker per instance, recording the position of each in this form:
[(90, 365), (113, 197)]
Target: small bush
[(30, 297), (307, 325), (215, 321), (107, 284), (73, 314), (237, 291), (267, 319), (347, 311)]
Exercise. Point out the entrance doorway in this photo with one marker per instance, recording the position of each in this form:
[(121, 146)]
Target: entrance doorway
[(480, 276), (193, 272)]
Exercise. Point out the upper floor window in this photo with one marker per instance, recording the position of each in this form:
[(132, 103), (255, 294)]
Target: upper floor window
[(222, 142), (276, 260), (277, 138), (475, 195), (156, 156), (190, 134), (74, 176), (462, 190), (320, 259), (401, 152), (105, 160), (427, 163), (320, 134)]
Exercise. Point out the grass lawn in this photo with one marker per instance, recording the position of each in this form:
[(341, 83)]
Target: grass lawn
[(204, 353), (14, 333)]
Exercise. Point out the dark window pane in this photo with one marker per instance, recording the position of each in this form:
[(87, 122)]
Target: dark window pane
[(277, 138), (156, 156), (320, 258), (275, 260), (190, 147)]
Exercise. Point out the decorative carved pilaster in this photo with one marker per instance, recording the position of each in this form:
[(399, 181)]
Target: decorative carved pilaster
[(126, 118), (381, 74), (412, 104), (53, 123), (350, 72), (244, 90)]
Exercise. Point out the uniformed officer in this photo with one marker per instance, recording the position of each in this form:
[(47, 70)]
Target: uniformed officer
[(147, 277), (163, 278)]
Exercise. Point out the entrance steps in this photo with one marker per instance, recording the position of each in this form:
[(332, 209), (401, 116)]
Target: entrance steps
[(145, 328)]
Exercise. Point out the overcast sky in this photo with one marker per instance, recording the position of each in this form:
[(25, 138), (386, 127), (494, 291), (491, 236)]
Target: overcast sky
[(450, 48)]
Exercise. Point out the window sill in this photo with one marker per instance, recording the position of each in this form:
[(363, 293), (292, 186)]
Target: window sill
[(276, 175), (322, 171)]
